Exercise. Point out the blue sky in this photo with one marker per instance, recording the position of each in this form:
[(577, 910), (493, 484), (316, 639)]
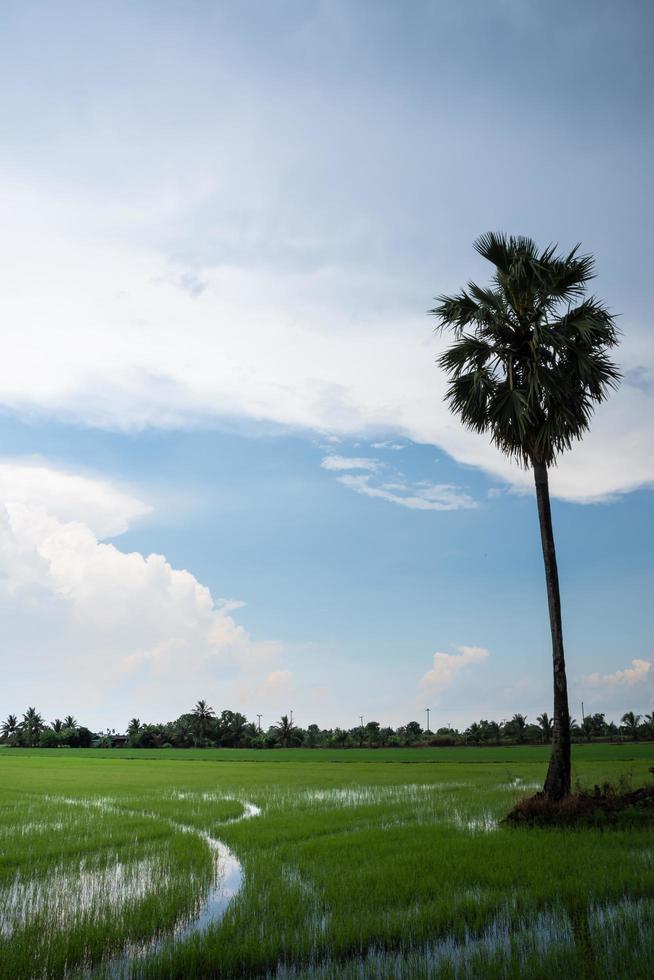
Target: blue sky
[(223, 227)]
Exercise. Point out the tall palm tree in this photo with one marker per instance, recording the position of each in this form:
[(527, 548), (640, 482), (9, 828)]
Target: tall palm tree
[(70, 722), (528, 364), (9, 728), (134, 726), (203, 713), (57, 726)]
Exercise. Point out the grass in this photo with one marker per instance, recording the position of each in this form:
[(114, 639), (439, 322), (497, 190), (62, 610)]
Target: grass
[(361, 864)]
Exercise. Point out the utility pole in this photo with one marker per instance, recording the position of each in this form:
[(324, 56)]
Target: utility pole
[(582, 712), (427, 710), (361, 720), (291, 717), (259, 717)]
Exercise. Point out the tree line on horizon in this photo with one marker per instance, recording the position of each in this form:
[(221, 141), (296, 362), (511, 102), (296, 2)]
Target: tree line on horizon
[(202, 727)]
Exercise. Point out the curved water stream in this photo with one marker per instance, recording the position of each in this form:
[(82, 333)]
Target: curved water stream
[(226, 884)]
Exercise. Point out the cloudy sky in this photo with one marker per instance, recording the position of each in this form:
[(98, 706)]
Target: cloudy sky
[(226, 469)]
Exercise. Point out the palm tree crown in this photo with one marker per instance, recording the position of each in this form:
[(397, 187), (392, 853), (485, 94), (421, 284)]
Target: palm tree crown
[(285, 730), (9, 727), (203, 710), (530, 354)]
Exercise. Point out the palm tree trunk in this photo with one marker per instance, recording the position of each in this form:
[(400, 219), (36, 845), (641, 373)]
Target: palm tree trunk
[(557, 783)]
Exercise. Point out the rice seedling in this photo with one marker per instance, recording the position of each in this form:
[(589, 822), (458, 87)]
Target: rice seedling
[(308, 864)]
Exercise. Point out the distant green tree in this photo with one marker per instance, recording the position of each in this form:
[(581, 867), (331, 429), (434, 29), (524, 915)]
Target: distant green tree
[(587, 728), (475, 733), (387, 736), (340, 737), (545, 725), (49, 739), (203, 713), (32, 725), (9, 730), (490, 731), (79, 738), (528, 364), (612, 730), (373, 733), (182, 731), (285, 731), (630, 723), (237, 728), (516, 728), (313, 736), (412, 732)]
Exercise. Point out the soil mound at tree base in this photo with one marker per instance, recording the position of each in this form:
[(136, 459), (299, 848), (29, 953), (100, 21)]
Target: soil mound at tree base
[(604, 806)]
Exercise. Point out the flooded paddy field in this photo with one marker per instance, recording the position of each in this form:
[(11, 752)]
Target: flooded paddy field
[(325, 864)]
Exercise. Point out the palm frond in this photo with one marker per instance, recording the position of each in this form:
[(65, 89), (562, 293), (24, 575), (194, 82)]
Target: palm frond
[(526, 365)]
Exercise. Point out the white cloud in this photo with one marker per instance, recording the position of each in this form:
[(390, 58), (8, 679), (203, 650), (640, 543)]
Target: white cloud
[(349, 463), (69, 497), (279, 681), (447, 665), (113, 336), (638, 673), (396, 446), (107, 621), (437, 496)]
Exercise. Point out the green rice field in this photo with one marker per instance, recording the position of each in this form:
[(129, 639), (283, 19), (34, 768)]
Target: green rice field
[(326, 864)]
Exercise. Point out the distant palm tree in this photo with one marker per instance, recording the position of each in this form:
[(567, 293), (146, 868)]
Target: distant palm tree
[(475, 733), (32, 724), (528, 364), (285, 730), (340, 737), (517, 727), (70, 722), (545, 725), (9, 728), (57, 726), (203, 713), (612, 729), (134, 726), (630, 723), (492, 730), (587, 727), (238, 727)]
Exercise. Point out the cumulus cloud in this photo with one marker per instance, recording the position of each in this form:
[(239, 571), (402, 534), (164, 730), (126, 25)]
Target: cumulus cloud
[(431, 496), (107, 620), (349, 463), (638, 673), (104, 508), (119, 336), (447, 665), (279, 682)]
